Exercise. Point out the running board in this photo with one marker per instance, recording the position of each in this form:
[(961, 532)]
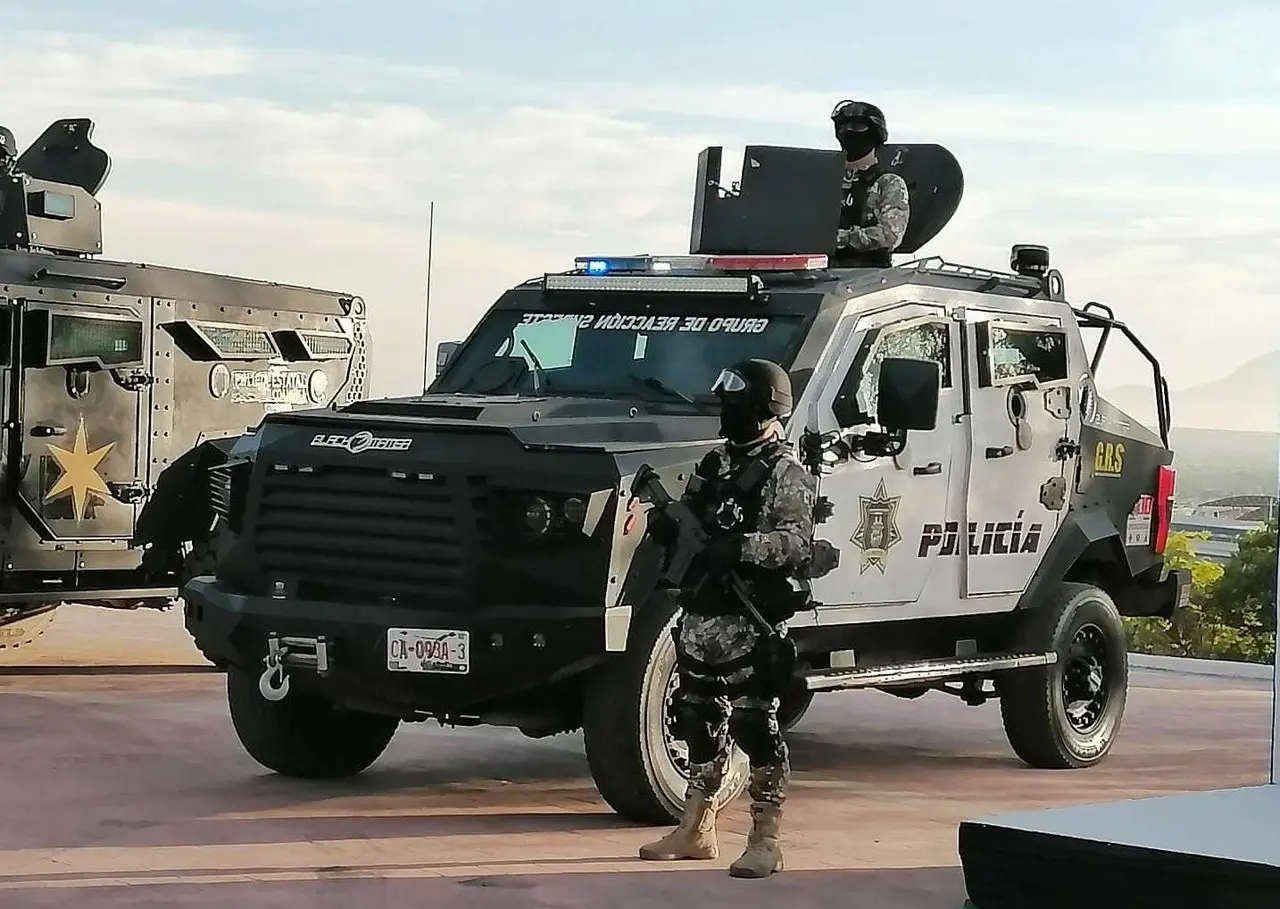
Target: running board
[(922, 671)]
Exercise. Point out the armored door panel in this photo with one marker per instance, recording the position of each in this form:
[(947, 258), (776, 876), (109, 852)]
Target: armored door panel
[(225, 367), (84, 397), (1022, 399), (881, 505)]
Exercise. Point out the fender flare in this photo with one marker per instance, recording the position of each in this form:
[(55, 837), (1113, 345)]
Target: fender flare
[(178, 509), (1081, 533)]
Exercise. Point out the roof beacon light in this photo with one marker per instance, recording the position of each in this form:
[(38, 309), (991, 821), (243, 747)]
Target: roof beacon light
[(604, 265), (768, 263)]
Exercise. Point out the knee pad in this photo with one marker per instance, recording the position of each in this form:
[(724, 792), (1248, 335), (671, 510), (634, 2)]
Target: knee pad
[(697, 724), (756, 732)]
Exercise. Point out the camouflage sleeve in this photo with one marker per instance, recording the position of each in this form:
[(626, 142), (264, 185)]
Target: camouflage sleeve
[(787, 513), (891, 210)]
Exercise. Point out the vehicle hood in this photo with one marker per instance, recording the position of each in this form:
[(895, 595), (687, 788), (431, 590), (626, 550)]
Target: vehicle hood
[(609, 424)]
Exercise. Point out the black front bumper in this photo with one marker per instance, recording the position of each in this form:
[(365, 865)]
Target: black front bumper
[(514, 650)]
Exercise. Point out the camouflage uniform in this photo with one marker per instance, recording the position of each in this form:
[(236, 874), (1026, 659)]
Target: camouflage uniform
[(879, 221), (877, 204), (723, 698), (781, 543)]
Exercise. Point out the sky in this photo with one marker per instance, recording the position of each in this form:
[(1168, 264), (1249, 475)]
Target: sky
[(302, 141)]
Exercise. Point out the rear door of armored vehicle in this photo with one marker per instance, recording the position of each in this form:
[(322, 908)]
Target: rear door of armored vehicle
[(1024, 423), (79, 396)]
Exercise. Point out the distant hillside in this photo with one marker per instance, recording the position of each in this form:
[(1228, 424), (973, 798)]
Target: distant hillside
[(1213, 463), (1248, 399)]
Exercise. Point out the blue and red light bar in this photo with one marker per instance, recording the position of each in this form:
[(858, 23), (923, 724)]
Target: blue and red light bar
[(647, 264)]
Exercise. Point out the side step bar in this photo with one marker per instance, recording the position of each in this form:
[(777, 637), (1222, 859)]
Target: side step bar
[(923, 671)]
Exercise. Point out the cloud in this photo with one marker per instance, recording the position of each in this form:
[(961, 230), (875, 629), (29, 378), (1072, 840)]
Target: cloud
[(318, 168)]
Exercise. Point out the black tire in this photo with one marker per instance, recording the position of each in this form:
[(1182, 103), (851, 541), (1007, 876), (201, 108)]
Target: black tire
[(624, 726), (202, 560), (1081, 624), (794, 706), (304, 735)]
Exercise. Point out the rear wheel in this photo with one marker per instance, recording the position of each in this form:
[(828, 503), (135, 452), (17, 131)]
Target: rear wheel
[(638, 766), (304, 735), (1067, 715)]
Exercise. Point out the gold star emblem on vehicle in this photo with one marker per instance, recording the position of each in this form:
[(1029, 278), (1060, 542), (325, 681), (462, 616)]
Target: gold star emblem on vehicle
[(79, 472)]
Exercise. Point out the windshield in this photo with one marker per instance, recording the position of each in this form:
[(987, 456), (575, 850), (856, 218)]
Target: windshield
[(617, 352)]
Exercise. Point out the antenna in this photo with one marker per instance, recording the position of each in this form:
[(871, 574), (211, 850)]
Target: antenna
[(426, 307)]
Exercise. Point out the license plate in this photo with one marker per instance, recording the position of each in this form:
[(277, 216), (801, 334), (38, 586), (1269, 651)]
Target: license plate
[(428, 650)]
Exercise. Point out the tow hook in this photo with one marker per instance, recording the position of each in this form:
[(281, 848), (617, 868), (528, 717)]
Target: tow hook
[(273, 684)]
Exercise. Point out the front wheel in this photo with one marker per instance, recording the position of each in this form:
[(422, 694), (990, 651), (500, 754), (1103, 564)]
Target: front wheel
[(1067, 716), (304, 735), (639, 767)]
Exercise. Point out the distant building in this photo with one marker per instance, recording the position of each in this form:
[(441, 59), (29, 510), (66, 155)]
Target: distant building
[(1242, 508), (1226, 520)]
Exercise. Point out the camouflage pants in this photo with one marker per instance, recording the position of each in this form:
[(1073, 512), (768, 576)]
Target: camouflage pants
[(722, 700)]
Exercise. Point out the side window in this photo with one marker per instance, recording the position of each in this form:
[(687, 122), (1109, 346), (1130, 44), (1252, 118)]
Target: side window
[(58, 338), (855, 403), (1009, 354)]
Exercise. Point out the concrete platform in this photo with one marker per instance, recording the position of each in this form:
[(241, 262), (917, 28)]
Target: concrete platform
[(133, 791), (1219, 849)]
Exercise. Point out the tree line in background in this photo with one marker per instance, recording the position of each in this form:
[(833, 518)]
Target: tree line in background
[(1232, 614)]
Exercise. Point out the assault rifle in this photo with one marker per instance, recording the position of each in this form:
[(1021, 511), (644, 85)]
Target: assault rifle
[(691, 540)]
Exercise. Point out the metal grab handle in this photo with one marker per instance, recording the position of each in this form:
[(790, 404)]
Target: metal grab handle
[(47, 429), (933, 467), (1002, 452)]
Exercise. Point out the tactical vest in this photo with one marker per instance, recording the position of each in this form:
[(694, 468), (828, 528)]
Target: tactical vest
[(731, 505), (852, 213)]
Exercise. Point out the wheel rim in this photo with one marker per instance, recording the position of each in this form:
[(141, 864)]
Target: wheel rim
[(1086, 680), (666, 757)]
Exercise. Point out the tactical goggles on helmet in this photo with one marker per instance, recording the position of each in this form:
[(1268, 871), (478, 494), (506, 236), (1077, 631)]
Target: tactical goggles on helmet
[(728, 382)]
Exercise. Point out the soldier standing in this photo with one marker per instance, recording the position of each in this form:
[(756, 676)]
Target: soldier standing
[(876, 203), (757, 502)]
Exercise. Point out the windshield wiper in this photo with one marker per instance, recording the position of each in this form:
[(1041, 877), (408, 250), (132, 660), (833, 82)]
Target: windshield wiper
[(539, 374), (656, 384)]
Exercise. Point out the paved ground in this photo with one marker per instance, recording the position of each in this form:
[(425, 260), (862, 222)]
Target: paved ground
[(133, 791)]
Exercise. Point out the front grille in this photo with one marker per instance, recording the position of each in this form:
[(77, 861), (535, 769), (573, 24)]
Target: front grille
[(370, 535), (220, 490)]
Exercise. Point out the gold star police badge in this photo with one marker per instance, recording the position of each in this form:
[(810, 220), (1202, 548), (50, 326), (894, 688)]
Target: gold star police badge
[(878, 529), (79, 472)]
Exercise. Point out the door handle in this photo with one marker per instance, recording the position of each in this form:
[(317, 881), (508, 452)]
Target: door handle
[(1002, 452), (41, 430), (933, 467)]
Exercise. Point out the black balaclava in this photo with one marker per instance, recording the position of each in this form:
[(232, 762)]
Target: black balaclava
[(859, 127), (740, 421), (856, 139)]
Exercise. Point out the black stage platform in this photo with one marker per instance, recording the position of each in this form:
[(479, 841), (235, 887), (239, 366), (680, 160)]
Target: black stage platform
[(1205, 850)]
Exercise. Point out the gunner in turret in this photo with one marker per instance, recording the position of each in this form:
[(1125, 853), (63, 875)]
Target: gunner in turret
[(876, 204)]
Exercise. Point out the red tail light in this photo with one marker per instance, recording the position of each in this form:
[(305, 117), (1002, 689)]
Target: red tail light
[(1165, 484)]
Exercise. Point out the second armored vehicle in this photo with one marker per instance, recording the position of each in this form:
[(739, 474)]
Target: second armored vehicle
[(123, 385), (478, 555)]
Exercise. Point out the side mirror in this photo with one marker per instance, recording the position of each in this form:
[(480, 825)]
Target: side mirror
[(444, 353), (908, 394)]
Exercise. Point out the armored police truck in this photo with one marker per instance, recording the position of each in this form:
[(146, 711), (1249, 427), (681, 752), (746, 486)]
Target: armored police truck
[(123, 384), (478, 554)]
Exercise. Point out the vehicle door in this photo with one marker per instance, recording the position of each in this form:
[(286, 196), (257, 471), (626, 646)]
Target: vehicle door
[(83, 396), (882, 504), (1021, 401)]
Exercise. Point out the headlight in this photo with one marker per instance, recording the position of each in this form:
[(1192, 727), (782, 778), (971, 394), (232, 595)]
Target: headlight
[(544, 515)]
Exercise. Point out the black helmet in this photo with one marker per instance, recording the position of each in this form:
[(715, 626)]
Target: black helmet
[(851, 114), (761, 385)]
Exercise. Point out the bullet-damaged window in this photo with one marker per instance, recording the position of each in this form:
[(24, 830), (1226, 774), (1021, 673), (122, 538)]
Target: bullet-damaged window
[(1009, 354)]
